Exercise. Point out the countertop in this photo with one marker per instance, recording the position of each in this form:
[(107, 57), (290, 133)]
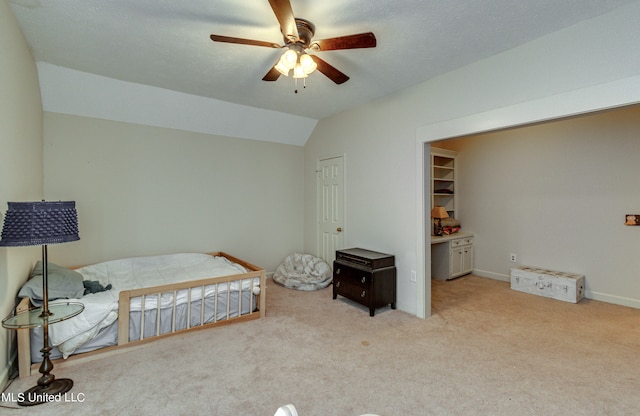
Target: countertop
[(445, 238)]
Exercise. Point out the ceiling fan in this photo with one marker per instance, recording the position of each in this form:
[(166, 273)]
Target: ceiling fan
[(298, 38)]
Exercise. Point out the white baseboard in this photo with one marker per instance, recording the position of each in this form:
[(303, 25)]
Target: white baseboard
[(6, 371), (617, 300), (492, 275), (602, 297)]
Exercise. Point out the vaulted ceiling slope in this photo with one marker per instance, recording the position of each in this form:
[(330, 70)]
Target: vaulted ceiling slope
[(166, 44)]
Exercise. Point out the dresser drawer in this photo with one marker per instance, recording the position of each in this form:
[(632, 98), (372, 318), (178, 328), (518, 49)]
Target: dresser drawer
[(352, 275), (461, 242), (355, 292)]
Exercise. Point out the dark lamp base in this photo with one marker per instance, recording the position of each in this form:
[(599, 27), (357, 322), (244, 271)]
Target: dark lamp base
[(44, 394), (437, 227)]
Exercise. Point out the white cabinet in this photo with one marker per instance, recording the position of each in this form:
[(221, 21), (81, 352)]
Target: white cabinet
[(443, 179), (451, 256), (467, 258), (461, 257)]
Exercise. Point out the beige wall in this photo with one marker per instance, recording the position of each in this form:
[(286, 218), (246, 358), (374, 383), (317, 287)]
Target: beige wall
[(587, 66), (556, 194), (20, 161), (144, 190), (380, 181)]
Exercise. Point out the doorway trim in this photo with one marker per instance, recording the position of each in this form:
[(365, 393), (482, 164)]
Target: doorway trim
[(600, 97)]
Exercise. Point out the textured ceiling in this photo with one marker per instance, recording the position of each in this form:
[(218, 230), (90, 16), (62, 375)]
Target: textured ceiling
[(166, 43)]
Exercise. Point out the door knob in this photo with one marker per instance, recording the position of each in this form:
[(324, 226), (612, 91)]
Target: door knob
[(339, 229)]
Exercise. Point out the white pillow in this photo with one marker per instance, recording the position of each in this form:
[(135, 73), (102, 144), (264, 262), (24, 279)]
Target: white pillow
[(62, 283)]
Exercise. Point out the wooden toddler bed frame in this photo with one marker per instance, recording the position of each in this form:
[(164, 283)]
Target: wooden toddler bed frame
[(24, 339)]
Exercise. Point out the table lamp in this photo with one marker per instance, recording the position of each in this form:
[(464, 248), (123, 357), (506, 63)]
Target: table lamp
[(41, 223), (438, 213)]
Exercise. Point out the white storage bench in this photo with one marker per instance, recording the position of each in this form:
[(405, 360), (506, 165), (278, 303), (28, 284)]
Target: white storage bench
[(568, 287)]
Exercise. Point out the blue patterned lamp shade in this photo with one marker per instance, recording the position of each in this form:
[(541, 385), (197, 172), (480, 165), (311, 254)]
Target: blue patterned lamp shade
[(40, 223)]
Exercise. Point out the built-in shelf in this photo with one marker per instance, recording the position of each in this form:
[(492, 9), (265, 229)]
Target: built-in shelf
[(443, 179)]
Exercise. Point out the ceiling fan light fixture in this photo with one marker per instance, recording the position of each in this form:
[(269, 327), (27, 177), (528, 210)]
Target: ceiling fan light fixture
[(289, 59), (298, 71), (298, 37), (307, 63), (282, 68)]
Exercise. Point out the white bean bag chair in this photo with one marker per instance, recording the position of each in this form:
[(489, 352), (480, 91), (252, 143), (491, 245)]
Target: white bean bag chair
[(303, 272)]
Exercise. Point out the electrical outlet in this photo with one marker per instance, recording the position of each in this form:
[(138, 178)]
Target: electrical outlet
[(512, 258), (413, 276)]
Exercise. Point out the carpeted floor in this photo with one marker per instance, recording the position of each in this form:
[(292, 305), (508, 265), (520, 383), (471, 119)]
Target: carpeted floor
[(486, 350)]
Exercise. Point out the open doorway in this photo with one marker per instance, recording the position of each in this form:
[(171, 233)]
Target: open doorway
[(542, 110)]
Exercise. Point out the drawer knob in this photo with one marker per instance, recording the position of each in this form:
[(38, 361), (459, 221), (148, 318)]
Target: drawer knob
[(364, 279), (338, 284), (337, 271), (363, 294)]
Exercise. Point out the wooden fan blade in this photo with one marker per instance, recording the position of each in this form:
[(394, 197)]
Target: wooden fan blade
[(229, 39), (284, 13), (331, 73), (361, 40), (272, 75)]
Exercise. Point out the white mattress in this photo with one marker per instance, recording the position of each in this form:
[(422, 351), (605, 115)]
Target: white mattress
[(134, 273), (108, 336)]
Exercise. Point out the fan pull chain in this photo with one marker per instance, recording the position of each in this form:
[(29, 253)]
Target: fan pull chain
[(304, 84)]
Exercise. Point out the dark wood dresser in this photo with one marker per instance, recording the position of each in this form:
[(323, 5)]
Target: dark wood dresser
[(366, 277)]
